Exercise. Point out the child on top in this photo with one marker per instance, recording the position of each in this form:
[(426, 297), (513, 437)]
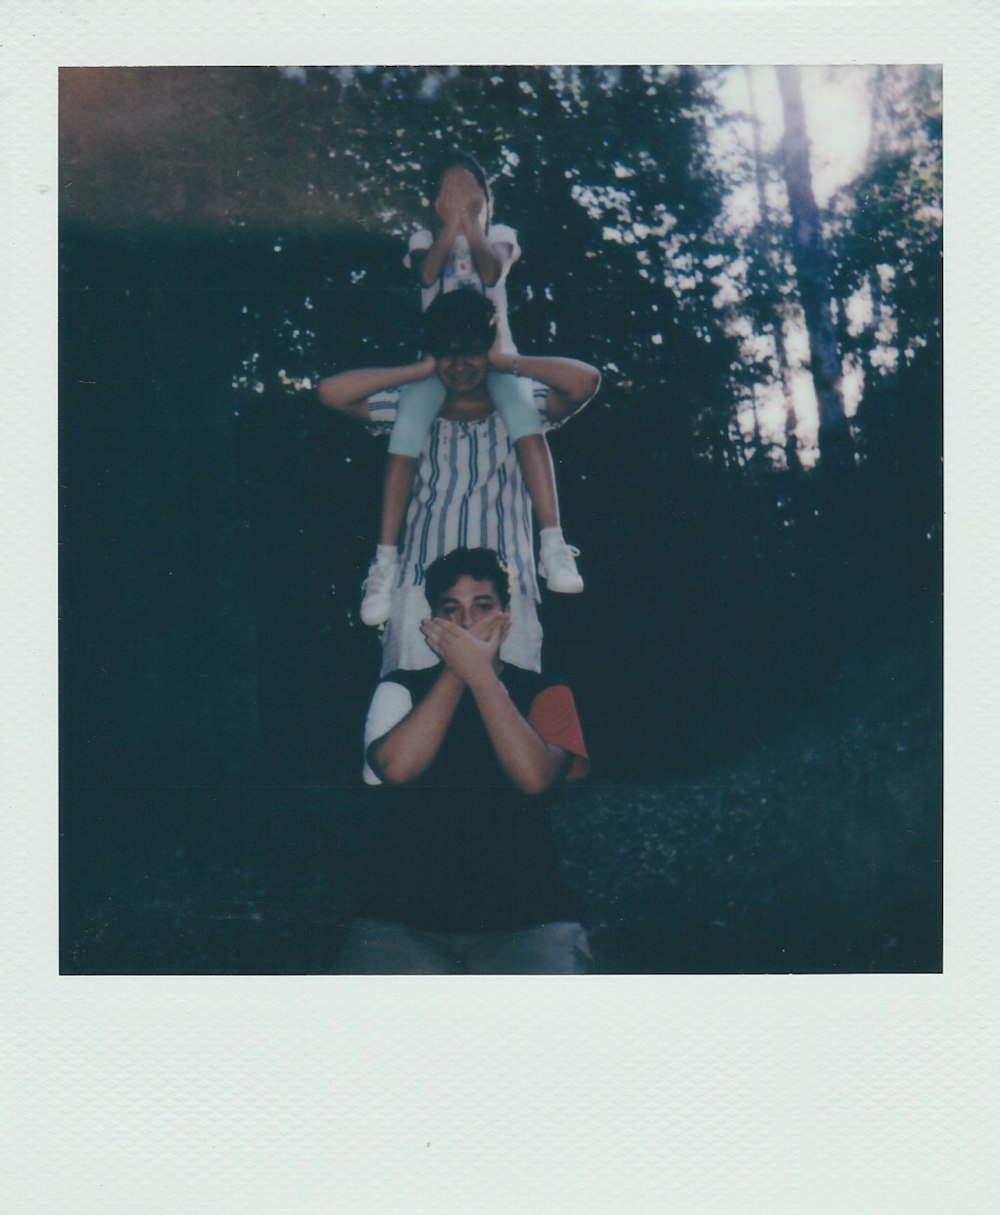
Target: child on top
[(464, 248)]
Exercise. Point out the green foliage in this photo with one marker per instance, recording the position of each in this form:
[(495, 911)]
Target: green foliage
[(620, 180), (607, 174), (743, 579), (886, 229)]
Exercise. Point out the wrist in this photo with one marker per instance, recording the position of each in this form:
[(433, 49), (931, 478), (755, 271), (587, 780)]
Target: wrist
[(483, 679), (450, 684)]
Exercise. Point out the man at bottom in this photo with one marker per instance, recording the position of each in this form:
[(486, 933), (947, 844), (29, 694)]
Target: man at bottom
[(466, 877)]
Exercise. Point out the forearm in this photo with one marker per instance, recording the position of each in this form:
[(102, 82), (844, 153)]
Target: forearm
[(484, 256), (531, 763), (349, 391), (409, 748), (572, 383), (432, 262)]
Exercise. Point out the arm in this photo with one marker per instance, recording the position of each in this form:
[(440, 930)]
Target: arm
[(448, 206), (460, 208), (405, 743), (430, 262), (532, 764), (571, 383), (349, 391), (488, 259), (409, 748)]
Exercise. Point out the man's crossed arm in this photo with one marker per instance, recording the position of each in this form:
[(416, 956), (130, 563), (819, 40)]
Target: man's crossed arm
[(406, 751)]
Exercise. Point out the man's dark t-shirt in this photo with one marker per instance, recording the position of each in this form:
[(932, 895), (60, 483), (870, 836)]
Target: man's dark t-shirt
[(461, 849)]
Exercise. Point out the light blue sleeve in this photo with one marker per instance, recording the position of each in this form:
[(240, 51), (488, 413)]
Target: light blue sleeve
[(513, 398), (419, 404)]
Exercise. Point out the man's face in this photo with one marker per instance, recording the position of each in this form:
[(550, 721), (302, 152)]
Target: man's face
[(469, 601), (463, 369)]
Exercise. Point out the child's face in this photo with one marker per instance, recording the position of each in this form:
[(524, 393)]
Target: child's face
[(459, 190)]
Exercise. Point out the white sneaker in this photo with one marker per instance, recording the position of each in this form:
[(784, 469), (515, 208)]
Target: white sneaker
[(376, 604), (557, 565)]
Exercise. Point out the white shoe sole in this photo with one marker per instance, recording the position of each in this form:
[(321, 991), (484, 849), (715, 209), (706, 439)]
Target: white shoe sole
[(574, 589), (380, 610), (373, 618)]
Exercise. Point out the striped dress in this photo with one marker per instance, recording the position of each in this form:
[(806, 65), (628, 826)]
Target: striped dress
[(468, 491)]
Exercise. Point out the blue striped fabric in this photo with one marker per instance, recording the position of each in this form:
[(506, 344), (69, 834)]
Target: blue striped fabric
[(468, 490)]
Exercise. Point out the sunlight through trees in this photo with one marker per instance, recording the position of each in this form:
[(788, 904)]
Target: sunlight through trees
[(231, 234)]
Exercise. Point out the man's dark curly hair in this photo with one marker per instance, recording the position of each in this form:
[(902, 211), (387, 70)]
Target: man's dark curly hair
[(482, 564), (463, 319)]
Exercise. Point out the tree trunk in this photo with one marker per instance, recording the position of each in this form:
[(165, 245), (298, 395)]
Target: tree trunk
[(812, 271), (767, 230)]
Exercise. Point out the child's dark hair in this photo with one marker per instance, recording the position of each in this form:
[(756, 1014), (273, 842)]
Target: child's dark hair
[(482, 564), (462, 318), (458, 158)]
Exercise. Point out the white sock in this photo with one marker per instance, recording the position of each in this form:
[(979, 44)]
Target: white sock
[(386, 554), (550, 536)]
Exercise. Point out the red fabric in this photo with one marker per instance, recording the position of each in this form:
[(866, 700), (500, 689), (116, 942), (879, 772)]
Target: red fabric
[(553, 715)]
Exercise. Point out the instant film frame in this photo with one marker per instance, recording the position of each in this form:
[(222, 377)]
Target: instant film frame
[(165, 1043)]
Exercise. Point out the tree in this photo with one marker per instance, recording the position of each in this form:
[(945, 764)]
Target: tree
[(775, 322), (886, 247), (812, 268)]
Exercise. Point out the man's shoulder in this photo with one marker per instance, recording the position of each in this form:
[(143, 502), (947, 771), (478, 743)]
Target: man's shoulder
[(525, 684)]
